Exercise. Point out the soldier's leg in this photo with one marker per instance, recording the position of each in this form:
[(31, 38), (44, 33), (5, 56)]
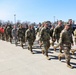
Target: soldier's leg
[(10, 39), (46, 47), (60, 48), (67, 57), (30, 43)]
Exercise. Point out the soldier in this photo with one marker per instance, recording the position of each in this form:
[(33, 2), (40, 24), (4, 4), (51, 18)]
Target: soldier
[(40, 41), (57, 31), (51, 34), (21, 35), (74, 50), (14, 33), (8, 33), (34, 33), (30, 37), (70, 31), (45, 38), (75, 36), (66, 45)]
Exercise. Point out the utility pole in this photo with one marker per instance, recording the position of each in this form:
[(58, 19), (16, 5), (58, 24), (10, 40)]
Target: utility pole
[(15, 18)]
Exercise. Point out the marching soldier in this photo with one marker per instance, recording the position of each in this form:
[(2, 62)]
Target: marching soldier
[(34, 32), (75, 36), (21, 36), (45, 38), (70, 31), (66, 45), (51, 34), (57, 31), (29, 35), (74, 50), (40, 41)]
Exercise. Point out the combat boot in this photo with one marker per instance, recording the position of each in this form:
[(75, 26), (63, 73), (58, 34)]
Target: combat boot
[(31, 51), (73, 51), (59, 57), (68, 64), (47, 58), (43, 52)]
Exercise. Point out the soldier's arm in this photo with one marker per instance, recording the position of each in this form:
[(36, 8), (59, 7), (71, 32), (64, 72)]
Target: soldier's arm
[(54, 32), (41, 34)]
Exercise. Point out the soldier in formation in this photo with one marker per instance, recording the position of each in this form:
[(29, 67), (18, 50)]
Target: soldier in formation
[(30, 37), (66, 45), (45, 38)]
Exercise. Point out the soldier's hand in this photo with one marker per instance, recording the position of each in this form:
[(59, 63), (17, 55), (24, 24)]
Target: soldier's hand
[(54, 48)]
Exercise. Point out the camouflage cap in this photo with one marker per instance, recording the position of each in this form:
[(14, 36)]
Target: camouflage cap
[(67, 24), (60, 21)]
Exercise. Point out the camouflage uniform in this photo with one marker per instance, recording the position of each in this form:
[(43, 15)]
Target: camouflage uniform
[(74, 50), (21, 35), (30, 38), (45, 38), (8, 33), (66, 46), (40, 41), (57, 31), (75, 36), (56, 35), (51, 34)]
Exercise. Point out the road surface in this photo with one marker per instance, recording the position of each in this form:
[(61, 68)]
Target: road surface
[(17, 61)]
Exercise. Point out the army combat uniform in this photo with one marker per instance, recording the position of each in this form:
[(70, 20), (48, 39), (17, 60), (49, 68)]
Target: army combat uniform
[(75, 36), (45, 38), (66, 46), (30, 38), (56, 34), (74, 50)]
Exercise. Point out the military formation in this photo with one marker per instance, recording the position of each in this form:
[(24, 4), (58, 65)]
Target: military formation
[(48, 35)]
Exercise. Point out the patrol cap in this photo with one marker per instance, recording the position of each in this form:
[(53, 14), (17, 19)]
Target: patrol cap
[(67, 24), (60, 21)]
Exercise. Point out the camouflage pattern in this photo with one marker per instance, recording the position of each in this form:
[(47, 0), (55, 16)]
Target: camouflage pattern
[(57, 31), (75, 36), (21, 35), (45, 38), (8, 33), (29, 35), (66, 45)]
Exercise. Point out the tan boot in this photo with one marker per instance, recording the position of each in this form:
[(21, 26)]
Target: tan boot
[(47, 58), (59, 57), (69, 66), (73, 51), (43, 52)]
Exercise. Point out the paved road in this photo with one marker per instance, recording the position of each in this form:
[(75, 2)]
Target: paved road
[(17, 61)]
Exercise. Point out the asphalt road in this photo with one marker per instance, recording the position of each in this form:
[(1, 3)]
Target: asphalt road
[(15, 60)]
